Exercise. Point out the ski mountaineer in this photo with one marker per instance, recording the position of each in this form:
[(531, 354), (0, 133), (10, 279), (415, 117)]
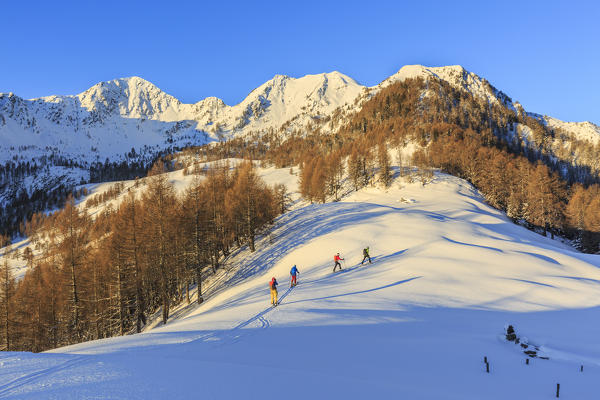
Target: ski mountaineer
[(293, 272), (337, 259), (366, 255), (273, 285)]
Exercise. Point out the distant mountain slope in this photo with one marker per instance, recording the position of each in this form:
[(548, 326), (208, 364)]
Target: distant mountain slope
[(585, 131), (105, 121)]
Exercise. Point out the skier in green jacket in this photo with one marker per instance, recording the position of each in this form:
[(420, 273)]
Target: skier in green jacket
[(366, 255)]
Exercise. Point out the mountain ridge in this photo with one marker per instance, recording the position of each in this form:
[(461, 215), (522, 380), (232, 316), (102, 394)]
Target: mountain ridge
[(279, 101)]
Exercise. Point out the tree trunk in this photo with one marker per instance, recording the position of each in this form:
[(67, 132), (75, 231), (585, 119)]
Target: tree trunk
[(120, 300), (140, 317), (199, 280)]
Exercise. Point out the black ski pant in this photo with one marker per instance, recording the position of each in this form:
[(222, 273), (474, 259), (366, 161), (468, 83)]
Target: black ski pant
[(366, 257), (337, 264)]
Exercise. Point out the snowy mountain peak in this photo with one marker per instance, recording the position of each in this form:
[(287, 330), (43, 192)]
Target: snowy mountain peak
[(455, 75), (585, 130), (306, 83), (278, 101), (280, 78), (132, 97), (211, 102)]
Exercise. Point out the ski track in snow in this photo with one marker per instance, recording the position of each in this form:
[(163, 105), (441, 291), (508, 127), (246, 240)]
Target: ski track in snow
[(8, 388), (235, 334)]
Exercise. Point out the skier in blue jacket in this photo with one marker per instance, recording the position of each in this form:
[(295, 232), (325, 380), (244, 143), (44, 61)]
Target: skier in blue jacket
[(293, 272)]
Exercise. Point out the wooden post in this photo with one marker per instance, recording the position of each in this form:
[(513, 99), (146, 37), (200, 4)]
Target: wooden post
[(527, 361), (485, 359), (557, 390), (581, 370), (487, 368)]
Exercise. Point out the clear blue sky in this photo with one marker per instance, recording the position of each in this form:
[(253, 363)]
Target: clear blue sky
[(545, 54)]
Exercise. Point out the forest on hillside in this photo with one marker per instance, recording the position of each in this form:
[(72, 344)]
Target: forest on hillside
[(98, 277)]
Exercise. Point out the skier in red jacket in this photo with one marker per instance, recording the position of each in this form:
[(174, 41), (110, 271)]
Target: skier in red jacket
[(337, 259)]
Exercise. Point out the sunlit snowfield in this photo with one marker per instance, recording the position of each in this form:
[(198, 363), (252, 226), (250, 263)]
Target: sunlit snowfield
[(448, 274)]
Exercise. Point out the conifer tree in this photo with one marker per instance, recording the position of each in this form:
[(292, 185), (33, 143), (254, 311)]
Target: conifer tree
[(354, 169), (282, 197), (195, 206), (250, 203), (217, 184), (335, 174), (159, 200), (306, 176), (319, 180), (7, 290), (72, 241), (385, 170), (545, 197)]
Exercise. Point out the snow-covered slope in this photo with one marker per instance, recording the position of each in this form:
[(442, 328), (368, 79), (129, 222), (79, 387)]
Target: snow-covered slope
[(448, 273)]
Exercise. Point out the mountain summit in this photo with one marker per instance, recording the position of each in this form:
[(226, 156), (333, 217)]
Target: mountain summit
[(456, 76), (131, 97)]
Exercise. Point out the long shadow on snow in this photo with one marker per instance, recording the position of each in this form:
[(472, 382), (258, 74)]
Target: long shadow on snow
[(530, 282), (472, 245), (577, 278), (356, 292), (519, 234), (540, 256)]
